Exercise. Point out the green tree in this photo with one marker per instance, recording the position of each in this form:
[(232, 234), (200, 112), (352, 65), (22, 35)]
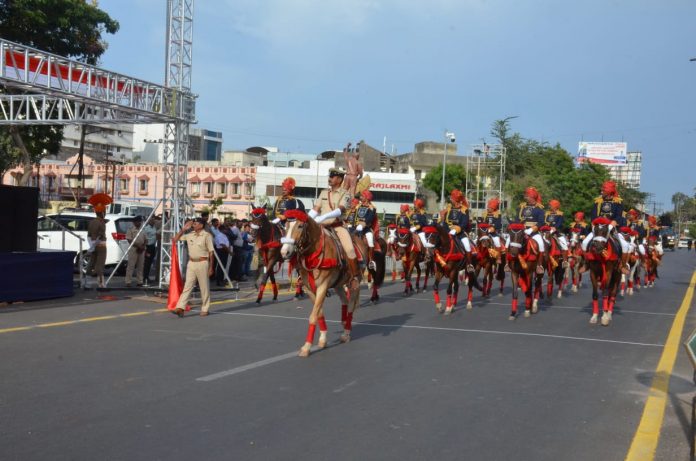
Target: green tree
[(71, 28), (455, 178)]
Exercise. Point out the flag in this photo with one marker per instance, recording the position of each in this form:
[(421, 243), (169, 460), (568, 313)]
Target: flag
[(176, 286)]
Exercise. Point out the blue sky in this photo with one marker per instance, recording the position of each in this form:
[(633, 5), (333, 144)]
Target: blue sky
[(310, 75)]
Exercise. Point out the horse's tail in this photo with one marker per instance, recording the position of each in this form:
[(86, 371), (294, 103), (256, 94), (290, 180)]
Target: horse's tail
[(381, 263), (500, 273)]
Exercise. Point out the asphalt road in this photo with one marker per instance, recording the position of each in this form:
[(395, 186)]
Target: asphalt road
[(130, 382)]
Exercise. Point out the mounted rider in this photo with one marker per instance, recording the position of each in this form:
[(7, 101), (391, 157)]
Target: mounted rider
[(554, 219), (286, 201), (403, 221), (580, 223), (350, 214), (609, 205), (419, 220), (654, 234), (329, 211), (364, 220), (456, 217), (493, 218), (532, 215), (639, 233)]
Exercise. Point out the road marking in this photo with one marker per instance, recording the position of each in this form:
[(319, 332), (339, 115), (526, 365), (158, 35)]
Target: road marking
[(463, 330), (74, 322), (251, 366), (647, 435)]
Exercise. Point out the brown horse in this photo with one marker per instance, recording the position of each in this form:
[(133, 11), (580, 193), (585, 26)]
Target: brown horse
[(375, 275), (267, 237), (523, 257), (651, 261), (604, 261), (322, 263), (487, 260), (393, 250), (448, 260), (411, 256), (555, 263), (576, 259)]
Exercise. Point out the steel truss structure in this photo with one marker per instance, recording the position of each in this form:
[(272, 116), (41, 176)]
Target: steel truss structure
[(485, 176), (40, 88), (178, 65)]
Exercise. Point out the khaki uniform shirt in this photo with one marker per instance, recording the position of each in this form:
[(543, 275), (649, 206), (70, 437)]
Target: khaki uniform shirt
[(137, 242), (199, 244), (330, 200), (96, 229)]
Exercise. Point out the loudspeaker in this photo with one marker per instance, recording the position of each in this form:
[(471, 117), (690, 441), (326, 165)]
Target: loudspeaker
[(19, 210)]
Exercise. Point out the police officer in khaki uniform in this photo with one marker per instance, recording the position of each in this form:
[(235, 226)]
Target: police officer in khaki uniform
[(136, 254), (96, 235), (329, 211), (200, 264)]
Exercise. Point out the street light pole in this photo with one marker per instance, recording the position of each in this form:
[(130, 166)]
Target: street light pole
[(449, 136)]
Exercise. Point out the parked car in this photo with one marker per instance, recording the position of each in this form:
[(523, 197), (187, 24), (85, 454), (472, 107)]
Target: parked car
[(683, 243), (52, 237), (669, 239)]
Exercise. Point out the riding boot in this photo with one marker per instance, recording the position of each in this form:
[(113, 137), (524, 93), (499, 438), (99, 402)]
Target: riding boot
[(371, 258), (353, 270)]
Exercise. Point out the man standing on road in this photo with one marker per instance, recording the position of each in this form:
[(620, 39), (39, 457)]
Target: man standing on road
[(150, 248), (222, 249), (96, 235), (200, 264), (136, 254)]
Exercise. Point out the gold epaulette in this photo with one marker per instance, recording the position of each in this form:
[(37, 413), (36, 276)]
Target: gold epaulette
[(617, 199)]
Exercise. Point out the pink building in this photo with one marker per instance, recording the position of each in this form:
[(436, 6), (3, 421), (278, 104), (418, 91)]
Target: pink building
[(58, 180)]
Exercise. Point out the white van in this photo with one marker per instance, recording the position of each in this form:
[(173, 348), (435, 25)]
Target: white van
[(123, 208), (51, 236)]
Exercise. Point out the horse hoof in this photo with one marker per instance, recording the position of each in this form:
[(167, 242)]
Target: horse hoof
[(527, 313), (560, 294), (304, 352), (345, 338), (469, 306), (630, 292), (449, 310), (593, 319), (512, 317), (258, 301), (574, 289), (606, 319), (321, 344), (424, 290), (535, 307), (500, 295)]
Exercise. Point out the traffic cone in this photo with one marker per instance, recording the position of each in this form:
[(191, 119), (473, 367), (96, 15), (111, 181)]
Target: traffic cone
[(176, 285)]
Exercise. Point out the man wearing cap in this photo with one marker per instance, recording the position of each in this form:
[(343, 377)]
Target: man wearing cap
[(609, 205), (364, 221), (96, 236), (495, 224), (456, 217), (286, 201), (419, 220), (580, 223), (350, 215), (636, 224), (554, 219), (136, 253), (654, 234), (403, 221), (532, 215), (329, 211), (200, 264)]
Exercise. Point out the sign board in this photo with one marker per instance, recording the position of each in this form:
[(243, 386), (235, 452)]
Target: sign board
[(690, 346), (606, 153)]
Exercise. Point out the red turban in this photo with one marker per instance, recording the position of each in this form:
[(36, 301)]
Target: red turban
[(288, 184), (579, 216), (493, 204), (456, 195), (366, 194), (609, 188), (404, 208), (532, 193), (419, 203), (554, 204)]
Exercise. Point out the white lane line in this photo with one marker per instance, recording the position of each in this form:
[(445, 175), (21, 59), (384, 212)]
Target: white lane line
[(248, 367), (463, 330)]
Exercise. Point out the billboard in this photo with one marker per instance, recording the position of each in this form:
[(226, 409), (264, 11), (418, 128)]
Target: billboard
[(607, 153)]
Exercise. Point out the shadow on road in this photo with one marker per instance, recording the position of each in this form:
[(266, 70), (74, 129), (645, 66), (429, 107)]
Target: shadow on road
[(680, 393)]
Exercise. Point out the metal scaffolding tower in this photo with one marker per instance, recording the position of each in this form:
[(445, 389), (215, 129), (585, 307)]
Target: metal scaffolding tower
[(485, 176), (178, 64)]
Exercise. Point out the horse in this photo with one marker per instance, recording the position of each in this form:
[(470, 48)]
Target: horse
[(267, 237), (651, 260), (322, 263), (604, 262), (576, 259), (410, 255), (487, 259), (523, 257), (376, 273), (555, 262), (448, 261), (627, 280), (392, 250)]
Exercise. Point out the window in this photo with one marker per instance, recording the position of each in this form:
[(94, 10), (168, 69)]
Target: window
[(222, 188), (75, 143), (208, 188), (118, 149), (195, 188), (142, 186), (123, 184), (235, 188), (247, 189), (47, 225)]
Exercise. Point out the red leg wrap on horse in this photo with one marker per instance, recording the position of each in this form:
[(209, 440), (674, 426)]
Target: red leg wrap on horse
[(514, 305), (262, 288), (623, 286), (470, 295), (630, 284), (393, 276), (344, 312), (454, 299), (549, 289), (349, 321), (322, 324), (611, 304), (595, 306), (605, 303), (449, 300), (436, 295), (310, 333), (528, 303)]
